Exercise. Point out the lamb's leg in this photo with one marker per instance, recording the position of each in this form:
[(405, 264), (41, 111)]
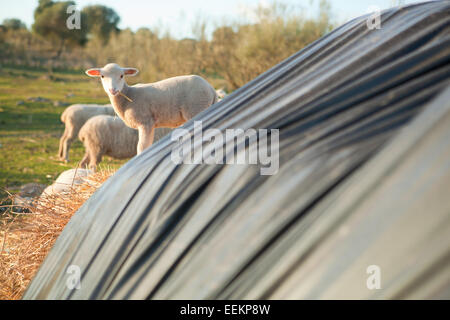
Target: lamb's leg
[(146, 136), (85, 161), (61, 143), (95, 157), (67, 142)]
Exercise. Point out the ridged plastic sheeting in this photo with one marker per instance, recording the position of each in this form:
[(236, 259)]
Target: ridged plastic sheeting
[(363, 180)]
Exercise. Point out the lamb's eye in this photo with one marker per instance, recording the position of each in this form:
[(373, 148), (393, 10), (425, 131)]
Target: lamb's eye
[(103, 76), (121, 76)]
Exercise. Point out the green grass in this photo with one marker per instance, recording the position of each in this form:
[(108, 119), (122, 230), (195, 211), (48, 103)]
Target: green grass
[(29, 133)]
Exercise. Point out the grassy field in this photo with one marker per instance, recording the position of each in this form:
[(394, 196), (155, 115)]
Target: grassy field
[(30, 131)]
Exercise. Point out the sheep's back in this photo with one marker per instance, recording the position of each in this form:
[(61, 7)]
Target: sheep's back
[(78, 114), (173, 100), (187, 90)]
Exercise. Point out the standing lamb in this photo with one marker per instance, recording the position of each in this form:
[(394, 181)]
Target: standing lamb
[(167, 103), (107, 135), (74, 117)]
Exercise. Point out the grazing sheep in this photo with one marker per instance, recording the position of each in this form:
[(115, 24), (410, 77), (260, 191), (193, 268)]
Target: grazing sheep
[(167, 103), (74, 117), (107, 135)]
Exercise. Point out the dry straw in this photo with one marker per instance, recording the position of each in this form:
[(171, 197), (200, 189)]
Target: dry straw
[(26, 238)]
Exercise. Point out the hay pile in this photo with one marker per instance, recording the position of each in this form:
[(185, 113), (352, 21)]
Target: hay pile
[(26, 238)]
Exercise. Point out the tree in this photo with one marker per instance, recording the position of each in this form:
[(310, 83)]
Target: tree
[(43, 4), (14, 24), (50, 21), (101, 21)]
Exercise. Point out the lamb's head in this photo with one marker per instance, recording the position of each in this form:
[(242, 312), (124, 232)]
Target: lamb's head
[(112, 76)]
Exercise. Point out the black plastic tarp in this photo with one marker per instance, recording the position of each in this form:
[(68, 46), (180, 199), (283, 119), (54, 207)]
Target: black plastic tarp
[(364, 173)]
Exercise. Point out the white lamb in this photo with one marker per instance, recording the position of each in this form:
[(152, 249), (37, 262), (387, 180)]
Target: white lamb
[(107, 135), (167, 103), (74, 117)]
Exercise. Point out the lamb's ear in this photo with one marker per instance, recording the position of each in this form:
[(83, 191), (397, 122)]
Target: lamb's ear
[(94, 72), (130, 71)]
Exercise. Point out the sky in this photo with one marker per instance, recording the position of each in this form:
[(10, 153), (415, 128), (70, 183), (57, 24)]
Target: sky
[(177, 16)]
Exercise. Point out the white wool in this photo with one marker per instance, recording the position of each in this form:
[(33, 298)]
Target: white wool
[(107, 135), (74, 117)]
